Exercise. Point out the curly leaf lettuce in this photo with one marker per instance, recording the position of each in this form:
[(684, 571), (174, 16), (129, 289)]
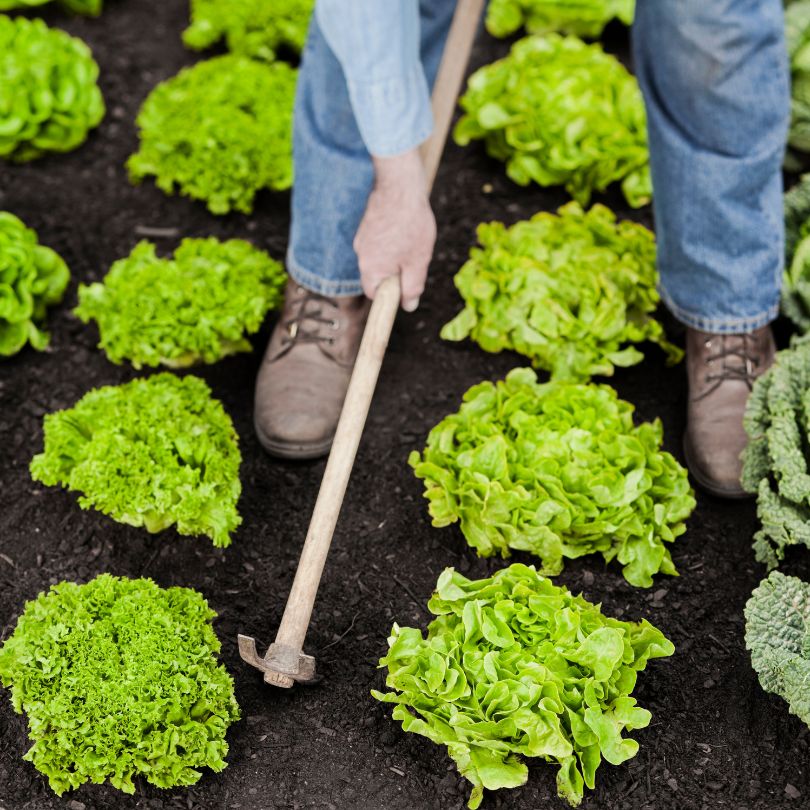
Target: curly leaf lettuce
[(584, 18), (196, 307), (32, 278), (219, 131), (153, 452), (515, 666), (567, 291), (797, 39), (558, 470), (49, 95), (119, 678), (775, 462), (777, 632), (253, 28), (560, 112), (89, 8)]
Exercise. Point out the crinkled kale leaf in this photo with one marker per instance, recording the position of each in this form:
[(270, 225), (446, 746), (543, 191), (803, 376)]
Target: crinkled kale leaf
[(560, 112), (777, 632), (119, 678), (515, 666), (568, 291), (219, 131), (153, 452), (558, 470), (255, 28), (195, 307), (49, 96), (585, 18), (775, 460), (32, 277)]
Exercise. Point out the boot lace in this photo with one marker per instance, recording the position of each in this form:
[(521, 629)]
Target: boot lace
[(739, 358), (310, 310)]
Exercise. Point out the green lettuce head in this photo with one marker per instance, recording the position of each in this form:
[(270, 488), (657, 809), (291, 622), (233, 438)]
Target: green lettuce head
[(119, 679), (585, 18), (558, 470), (560, 112), (32, 278), (516, 667)]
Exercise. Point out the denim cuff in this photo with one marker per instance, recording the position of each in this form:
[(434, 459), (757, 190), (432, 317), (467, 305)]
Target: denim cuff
[(334, 288), (720, 326)]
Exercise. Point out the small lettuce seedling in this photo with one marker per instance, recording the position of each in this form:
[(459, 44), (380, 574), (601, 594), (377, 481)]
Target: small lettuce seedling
[(153, 452), (32, 278), (195, 307), (119, 679), (516, 667), (50, 97)]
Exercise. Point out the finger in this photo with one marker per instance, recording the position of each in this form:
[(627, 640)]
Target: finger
[(371, 277), (413, 284)]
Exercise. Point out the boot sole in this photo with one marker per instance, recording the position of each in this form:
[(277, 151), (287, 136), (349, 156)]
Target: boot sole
[(707, 485), (293, 450)]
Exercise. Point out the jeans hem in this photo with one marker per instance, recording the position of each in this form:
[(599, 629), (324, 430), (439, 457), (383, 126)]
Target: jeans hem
[(318, 284), (720, 326)]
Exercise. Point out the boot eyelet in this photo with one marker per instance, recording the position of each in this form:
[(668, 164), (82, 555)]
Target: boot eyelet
[(335, 325), (331, 341)]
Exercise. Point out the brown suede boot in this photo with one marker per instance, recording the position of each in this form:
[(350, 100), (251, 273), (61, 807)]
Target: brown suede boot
[(721, 371), (305, 372)]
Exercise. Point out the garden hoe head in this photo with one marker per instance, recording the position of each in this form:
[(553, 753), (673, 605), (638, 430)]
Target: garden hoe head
[(285, 662)]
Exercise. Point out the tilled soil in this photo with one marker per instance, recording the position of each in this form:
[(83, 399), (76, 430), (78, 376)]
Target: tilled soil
[(716, 739)]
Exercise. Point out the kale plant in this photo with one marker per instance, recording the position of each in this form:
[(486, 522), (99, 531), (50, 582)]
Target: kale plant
[(219, 131), (776, 459), (49, 96), (777, 632), (567, 291), (585, 18), (153, 452), (558, 470), (558, 111), (32, 277), (195, 307), (514, 666), (255, 28), (119, 679)]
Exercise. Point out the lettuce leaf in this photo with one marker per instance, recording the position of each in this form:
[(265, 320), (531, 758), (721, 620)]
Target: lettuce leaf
[(253, 28), (219, 131), (560, 112), (89, 8), (568, 291), (32, 278), (515, 666), (558, 470), (585, 18), (196, 307), (153, 452), (119, 679), (49, 97)]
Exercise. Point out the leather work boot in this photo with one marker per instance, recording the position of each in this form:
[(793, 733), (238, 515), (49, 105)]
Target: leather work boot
[(721, 371), (305, 372)]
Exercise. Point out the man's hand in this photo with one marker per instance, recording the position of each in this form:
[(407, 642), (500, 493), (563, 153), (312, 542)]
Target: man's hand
[(398, 230)]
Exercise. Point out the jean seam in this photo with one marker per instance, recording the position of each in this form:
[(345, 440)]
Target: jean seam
[(720, 325), (316, 283)]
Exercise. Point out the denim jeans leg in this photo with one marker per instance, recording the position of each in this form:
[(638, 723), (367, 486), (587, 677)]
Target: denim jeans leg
[(333, 171), (715, 79)]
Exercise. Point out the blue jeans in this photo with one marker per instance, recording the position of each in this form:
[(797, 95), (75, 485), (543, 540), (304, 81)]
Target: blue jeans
[(715, 79)]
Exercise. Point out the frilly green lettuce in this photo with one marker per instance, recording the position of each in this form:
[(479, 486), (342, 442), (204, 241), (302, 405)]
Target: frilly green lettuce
[(515, 666), (119, 679), (195, 307), (153, 452), (255, 28), (567, 291), (585, 18), (89, 8), (32, 277), (558, 470), (49, 96), (560, 112), (219, 131)]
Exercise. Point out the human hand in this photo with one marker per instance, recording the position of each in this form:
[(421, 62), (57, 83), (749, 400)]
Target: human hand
[(398, 230)]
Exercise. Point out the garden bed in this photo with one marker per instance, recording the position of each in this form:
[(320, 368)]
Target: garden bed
[(716, 740)]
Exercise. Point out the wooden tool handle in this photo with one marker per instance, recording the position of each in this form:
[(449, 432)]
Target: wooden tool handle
[(295, 621)]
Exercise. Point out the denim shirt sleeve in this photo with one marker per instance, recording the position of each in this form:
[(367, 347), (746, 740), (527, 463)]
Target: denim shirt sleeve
[(377, 45)]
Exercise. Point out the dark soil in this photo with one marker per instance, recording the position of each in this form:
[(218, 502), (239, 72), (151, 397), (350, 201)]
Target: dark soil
[(716, 739)]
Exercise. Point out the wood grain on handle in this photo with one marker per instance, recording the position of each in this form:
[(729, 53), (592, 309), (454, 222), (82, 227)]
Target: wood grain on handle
[(295, 621)]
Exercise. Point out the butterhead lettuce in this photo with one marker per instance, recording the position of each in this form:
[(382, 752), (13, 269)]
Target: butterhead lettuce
[(585, 18)]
